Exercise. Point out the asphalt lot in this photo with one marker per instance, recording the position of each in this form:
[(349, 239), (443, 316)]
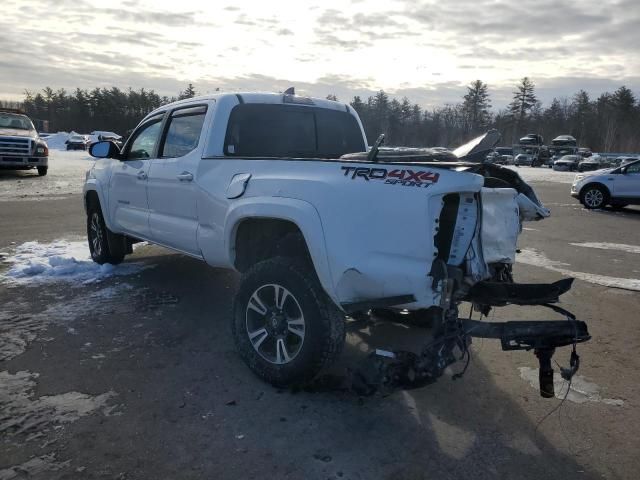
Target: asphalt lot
[(135, 376)]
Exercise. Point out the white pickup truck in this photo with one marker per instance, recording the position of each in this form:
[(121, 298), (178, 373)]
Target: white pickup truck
[(283, 189), (20, 146)]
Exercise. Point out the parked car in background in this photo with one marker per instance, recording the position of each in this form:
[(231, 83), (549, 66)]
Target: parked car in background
[(592, 163), (564, 141), (567, 163), (21, 148), (617, 187), (585, 152), (505, 155), (523, 159), (531, 139), (621, 161), (78, 142), (105, 136)]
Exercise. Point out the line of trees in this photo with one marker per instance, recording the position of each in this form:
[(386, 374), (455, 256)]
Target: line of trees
[(608, 123), (110, 109)]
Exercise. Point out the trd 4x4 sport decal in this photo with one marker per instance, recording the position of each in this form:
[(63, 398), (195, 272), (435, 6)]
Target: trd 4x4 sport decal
[(407, 178)]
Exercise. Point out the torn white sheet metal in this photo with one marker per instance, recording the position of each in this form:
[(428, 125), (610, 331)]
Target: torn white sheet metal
[(529, 210), (500, 224)]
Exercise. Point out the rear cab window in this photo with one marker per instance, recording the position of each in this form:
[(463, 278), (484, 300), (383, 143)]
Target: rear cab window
[(268, 130)]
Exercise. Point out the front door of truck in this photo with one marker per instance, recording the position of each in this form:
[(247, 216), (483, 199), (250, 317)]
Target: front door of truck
[(129, 209), (171, 187)]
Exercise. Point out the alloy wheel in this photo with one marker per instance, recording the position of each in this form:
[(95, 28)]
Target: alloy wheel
[(96, 234), (593, 198), (275, 324)]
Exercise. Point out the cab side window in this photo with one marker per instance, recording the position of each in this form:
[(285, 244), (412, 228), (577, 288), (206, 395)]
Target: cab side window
[(144, 141), (183, 132)]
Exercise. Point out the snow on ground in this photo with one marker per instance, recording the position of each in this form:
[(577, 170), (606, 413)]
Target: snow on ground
[(538, 259), (621, 247), (67, 261), (543, 174), (580, 391), (65, 176)]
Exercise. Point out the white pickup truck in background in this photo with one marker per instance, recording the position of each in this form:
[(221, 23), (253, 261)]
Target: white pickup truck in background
[(283, 189), (21, 148)]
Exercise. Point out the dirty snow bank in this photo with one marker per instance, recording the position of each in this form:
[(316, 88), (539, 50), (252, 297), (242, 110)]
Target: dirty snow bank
[(622, 247), (62, 260), (56, 141), (66, 175), (538, 259), (24, 414), (543, 174), (580, 391)]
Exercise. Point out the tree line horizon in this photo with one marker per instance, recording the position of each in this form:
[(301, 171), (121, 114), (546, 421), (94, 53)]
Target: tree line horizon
[(608, 123)]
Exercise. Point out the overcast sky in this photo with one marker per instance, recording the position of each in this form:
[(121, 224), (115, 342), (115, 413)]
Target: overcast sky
[(426, 50)]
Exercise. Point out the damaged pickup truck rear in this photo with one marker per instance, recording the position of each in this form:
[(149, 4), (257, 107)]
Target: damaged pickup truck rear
[(283, 189)]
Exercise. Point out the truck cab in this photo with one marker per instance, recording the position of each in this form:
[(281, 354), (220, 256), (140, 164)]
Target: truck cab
[(20, 146)]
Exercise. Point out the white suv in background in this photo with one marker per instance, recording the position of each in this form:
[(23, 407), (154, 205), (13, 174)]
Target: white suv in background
[(617, 187)]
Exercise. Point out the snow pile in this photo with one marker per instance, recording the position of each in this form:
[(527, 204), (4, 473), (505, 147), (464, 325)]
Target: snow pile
[(66, 176), (60, 261), (56, 141), (538, 259), (544, 174)]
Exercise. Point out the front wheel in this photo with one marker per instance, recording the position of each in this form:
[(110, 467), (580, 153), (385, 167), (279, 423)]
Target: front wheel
[(594, 196), (42, 171), (285, 327), (104, 245)]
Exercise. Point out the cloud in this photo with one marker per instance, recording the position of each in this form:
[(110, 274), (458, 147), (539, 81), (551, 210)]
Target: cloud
[(427, 50), (335, 29)]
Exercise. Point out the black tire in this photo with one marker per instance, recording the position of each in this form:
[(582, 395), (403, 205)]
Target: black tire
[(104, 245), (303, 300), (594, 196), (42, 171)]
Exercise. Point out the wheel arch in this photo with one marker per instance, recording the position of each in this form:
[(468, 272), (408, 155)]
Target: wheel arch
[(271, 219), (93, 194), (595, 184)]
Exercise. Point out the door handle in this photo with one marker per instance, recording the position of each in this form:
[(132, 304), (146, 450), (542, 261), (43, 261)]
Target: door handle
[(142, 175), (185, 176)]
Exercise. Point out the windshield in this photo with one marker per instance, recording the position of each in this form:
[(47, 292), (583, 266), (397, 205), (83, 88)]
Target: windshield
[(19, 122)]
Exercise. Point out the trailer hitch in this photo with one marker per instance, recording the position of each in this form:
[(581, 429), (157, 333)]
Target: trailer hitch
[(387, 370)]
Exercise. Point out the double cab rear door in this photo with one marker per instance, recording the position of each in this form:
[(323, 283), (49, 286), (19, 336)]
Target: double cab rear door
[(152, 191)]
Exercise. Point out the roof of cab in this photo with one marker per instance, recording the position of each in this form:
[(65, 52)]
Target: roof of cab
[(252, 97)]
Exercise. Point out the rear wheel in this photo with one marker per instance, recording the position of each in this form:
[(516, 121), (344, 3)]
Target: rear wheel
[(42, 171), (594, 196), (285, 327), (104, 245)]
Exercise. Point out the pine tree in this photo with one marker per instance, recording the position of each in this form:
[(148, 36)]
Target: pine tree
[(476, 106), (189, 92), (524, 99)]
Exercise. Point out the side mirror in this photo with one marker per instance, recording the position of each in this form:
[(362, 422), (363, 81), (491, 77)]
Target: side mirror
[(104, 150)]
